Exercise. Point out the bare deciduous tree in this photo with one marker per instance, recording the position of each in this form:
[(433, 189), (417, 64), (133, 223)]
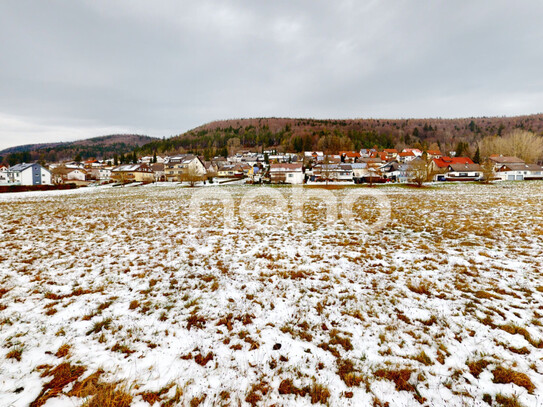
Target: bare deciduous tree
[(418, 171), (488, 171), (191, 175), (519, 143)]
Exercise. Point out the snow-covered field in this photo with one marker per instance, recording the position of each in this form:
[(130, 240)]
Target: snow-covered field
[(115, 292)]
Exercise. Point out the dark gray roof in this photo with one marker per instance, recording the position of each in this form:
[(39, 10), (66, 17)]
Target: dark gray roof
[(21, 167)]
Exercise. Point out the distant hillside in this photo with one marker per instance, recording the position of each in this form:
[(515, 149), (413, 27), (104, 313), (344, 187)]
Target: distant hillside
[(334, 135), (99, 147)]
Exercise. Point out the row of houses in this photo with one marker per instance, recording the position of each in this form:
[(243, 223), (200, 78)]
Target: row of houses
[(438, 168), (368, 165)]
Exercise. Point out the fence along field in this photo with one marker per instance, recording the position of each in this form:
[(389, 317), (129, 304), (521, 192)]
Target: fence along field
[(114, 295)]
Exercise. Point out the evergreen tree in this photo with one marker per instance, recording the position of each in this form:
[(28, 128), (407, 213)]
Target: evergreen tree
[(461, 148), (115, 159), (477, 156)]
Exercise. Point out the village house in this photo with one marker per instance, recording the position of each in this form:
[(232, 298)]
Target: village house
[(62, 175), (3, 174), (441, 165), (405, 157), (179, 167), (391, 153), (93, 163), (231, 171), (150, 160), (219, 161), (500, 160), (101, 174), (133, 173), (369, 171), (158, 171), (211, 168), (312, 156), (349, 156), (332, 172), (381, 155), (72, 164), (28, 174), (463, 172), (360, 172), (415, 151), (255, 174), (395, 171), (367, 152), (434, 154), (286, 173), (519, 172), (328, 159), (283, 158), (243, 156)]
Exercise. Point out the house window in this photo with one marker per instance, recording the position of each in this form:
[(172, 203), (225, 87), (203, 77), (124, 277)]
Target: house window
[(463, 174)]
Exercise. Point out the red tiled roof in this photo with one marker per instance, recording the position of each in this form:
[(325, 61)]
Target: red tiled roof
[(446, 161), (390, 150), (379, 154), (407, 154), (350, 154), (434, 152)]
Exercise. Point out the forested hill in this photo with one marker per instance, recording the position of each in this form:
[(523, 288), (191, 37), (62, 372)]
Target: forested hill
[(97, 147), (335, 135)]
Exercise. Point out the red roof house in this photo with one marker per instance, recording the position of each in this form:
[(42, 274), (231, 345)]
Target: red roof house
[(444, 162)]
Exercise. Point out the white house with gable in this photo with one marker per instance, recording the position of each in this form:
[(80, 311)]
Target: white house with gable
[(28, 174)]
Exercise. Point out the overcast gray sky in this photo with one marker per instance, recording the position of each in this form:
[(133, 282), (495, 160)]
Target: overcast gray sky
[(75, 69)]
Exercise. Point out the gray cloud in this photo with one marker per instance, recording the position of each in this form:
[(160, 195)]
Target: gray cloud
[(86, 68)]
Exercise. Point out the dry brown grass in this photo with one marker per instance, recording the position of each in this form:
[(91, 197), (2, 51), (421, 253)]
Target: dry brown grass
[(16, 354), (477, 367), (400, 377), (422, 287), (258, 390), (63, 351), (515, 329), (504, 401), (110, 396), (423, 358), (317, 392), (347, 373), (3, 291), (63, 375), (195, 320), (506, 376), (203, 360)]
